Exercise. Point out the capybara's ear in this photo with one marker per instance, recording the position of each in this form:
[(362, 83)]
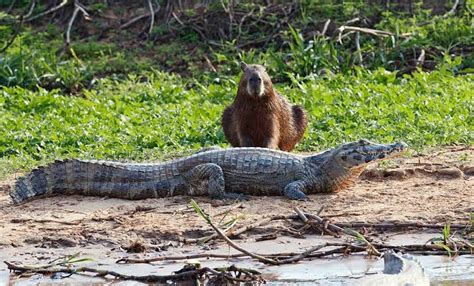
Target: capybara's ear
[(243, 66)]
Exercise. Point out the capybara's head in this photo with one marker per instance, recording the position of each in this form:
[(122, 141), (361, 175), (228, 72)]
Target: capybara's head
[(255, 80)]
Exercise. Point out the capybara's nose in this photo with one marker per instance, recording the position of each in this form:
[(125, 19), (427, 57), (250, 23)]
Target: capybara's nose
[(255, 79)]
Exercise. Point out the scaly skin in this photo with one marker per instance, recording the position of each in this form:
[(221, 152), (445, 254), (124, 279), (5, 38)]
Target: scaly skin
[(222, 173)]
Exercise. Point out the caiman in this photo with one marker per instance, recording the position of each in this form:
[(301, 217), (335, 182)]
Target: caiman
[(222, 173)]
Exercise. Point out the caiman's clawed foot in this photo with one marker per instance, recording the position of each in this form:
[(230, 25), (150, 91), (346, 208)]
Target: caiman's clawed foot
[(294, 191)]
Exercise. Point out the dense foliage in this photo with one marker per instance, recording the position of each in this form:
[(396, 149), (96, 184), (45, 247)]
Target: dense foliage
[(101, 100), (138, 119)]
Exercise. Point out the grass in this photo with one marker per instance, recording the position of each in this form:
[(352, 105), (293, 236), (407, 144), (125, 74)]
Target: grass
[(112, 100), (138, 119)]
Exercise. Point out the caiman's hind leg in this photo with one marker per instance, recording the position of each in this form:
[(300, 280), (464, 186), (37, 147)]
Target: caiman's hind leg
[(208, 179)]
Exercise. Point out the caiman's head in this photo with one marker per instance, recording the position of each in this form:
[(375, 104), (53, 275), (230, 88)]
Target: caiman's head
[(361, 152)]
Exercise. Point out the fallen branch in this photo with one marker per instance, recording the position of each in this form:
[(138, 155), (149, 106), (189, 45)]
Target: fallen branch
[(282, 258), (190, 275)]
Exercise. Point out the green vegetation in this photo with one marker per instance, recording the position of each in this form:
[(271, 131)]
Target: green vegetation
[(109, 100), (136, 120)]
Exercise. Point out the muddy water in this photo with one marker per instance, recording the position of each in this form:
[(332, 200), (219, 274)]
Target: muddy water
[(330, 271)]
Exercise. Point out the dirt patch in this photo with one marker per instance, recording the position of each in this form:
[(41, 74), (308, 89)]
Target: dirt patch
[(433, 188)]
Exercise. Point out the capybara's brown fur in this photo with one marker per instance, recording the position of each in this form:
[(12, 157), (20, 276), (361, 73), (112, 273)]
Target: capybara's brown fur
[(260, 117)]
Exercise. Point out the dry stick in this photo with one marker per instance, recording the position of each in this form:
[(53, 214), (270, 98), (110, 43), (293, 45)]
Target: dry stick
[(359, 52), (325, 28), (421, 59), (235, 246), (62, 4), (11, 6), (77, 7), (23, 220), (32, 7), (347, 231), (242, 229), (374, 32), (292, 257), (288, 256), (152, 17), (138, 18), (301, 215), (187, 275), (453, 9)]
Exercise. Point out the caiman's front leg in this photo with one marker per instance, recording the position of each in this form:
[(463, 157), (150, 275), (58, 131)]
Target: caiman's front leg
[(295, 190), (208, 179)]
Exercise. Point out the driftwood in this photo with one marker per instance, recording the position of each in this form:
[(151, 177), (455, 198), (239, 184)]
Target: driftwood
[(182, 275)]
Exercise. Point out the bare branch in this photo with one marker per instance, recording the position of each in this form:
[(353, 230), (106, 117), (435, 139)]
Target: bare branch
[(359, 52), (325, 28), (453, 9), (152, 17), (190, 275), (32, 7), (62, 4), (374, 32), (421, 59), (77, 7), (138, 18)]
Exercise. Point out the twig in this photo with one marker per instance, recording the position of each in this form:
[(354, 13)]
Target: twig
[(347, 231), (32, 7), (138, 18), (152, 17), (23, 220), (301, 215), (241, 230), (453, 9), (325, 28), (374, 32), (359, 52), (421, 59), (62, 4), (228, 240), (11, 6), (184, 275), (77, 7)]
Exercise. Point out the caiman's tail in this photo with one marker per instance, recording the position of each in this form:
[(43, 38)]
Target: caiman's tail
[(90, 178)]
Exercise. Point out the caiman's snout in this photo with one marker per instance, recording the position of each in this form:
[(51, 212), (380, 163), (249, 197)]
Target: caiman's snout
[(364, 151)]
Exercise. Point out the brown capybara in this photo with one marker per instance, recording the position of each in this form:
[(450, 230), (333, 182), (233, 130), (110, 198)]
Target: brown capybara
[(259, 116)]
